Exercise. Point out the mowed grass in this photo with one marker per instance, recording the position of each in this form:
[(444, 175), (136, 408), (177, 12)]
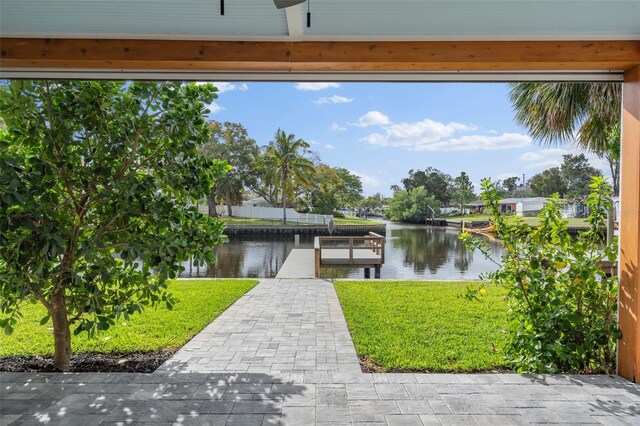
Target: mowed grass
[(351, 220), (531, 221), (424, 325), (244, 221), (198, 302)]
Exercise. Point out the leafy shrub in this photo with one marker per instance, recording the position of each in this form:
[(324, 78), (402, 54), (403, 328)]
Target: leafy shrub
[(412, 206), (338, 214), (562, 307)]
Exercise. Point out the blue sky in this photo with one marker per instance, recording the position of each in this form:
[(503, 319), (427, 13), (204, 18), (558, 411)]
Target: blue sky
[(382, 130)]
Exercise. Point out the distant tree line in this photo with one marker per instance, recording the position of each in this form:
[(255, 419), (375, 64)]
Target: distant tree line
[(423, 193), (285, 172)]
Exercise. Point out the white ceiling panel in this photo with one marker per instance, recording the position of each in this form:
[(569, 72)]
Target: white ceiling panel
[(156, 18), (331, 19)]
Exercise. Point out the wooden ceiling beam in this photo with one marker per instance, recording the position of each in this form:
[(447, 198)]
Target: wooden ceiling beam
[(318, 56)]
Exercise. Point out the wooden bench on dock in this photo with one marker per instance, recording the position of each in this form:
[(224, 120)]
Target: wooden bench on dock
[(350, 252)]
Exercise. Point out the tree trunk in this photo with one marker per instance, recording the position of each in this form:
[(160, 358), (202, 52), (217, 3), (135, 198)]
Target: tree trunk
[(211, 202), (614, 166), (228, 201), (284, 198), (61, 334)]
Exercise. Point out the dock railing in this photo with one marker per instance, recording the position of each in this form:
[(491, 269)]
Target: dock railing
[(350, 252)]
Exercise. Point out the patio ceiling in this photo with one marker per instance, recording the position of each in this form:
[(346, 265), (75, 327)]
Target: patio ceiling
[(331, 19), (407, 40)]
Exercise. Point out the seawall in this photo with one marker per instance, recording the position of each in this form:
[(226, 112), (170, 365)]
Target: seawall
[(320, 230)]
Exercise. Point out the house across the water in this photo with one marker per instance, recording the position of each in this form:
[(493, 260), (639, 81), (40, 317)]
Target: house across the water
[(517, 206)]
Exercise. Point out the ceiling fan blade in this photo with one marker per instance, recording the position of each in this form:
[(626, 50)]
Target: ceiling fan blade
[(282, 4)]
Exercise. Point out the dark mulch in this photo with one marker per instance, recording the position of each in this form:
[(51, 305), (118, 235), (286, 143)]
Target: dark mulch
[(369, 366), (137, 362)]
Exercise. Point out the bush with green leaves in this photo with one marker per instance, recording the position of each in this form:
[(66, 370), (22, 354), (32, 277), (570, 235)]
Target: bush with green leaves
[(562, 306), (412, 206), (98, 187)]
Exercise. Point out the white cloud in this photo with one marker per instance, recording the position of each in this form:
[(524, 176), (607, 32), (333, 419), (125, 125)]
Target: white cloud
[(478, 143), (414, 135), (367, 180), (215, 108), (544, 158), (329, 146), (552, 157), (503, 176), (431, 135), (316, 86), (335, 99), (372, 118), (335, 127), (224, 86)]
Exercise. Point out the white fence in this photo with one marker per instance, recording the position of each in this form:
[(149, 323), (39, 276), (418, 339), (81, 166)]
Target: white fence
[(273, 213)]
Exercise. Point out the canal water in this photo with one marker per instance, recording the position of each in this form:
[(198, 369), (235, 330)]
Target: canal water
[(411, 252)]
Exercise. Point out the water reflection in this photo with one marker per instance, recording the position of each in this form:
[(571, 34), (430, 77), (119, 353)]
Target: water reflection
[(411, 251)]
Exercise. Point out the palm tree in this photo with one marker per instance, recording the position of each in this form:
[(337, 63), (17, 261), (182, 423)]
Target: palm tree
[(286, 163), (585, 113)]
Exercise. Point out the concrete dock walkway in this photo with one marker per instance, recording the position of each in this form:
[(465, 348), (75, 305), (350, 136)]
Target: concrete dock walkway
[(298, 264), (282, 355)]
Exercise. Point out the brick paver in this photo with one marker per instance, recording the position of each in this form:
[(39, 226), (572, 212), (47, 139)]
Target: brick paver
[(282, 355), (290, 326)]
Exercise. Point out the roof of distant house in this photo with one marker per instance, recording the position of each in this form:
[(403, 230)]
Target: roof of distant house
[(527, 200), (257, 200)]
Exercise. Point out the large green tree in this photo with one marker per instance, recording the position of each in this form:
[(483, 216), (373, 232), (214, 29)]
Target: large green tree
[(413, 206), (571, 179), (462, 191), (230, 142), (287, 164), (578, 174), (585, 113), (322, 196), (350, 193), (434, 181), (334, 187), (548, 182), (98, 185), (372, 202), (510, 184)]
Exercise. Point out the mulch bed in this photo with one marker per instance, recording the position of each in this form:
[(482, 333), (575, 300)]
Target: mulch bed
[(137, 362), (369, 366)]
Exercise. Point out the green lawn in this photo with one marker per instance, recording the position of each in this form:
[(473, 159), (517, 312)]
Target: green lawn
[(350, 220), (423, 325), (198, 302), (533, 221), (243, 221)]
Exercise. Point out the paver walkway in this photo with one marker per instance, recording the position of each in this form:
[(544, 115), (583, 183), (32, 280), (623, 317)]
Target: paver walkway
[(282, 355)]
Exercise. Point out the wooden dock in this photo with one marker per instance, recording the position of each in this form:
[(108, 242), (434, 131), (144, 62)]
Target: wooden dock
[(298, 264), (348, 252)]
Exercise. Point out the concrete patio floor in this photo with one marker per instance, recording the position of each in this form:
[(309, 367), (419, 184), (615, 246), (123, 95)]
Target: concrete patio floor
[(282, 354)]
